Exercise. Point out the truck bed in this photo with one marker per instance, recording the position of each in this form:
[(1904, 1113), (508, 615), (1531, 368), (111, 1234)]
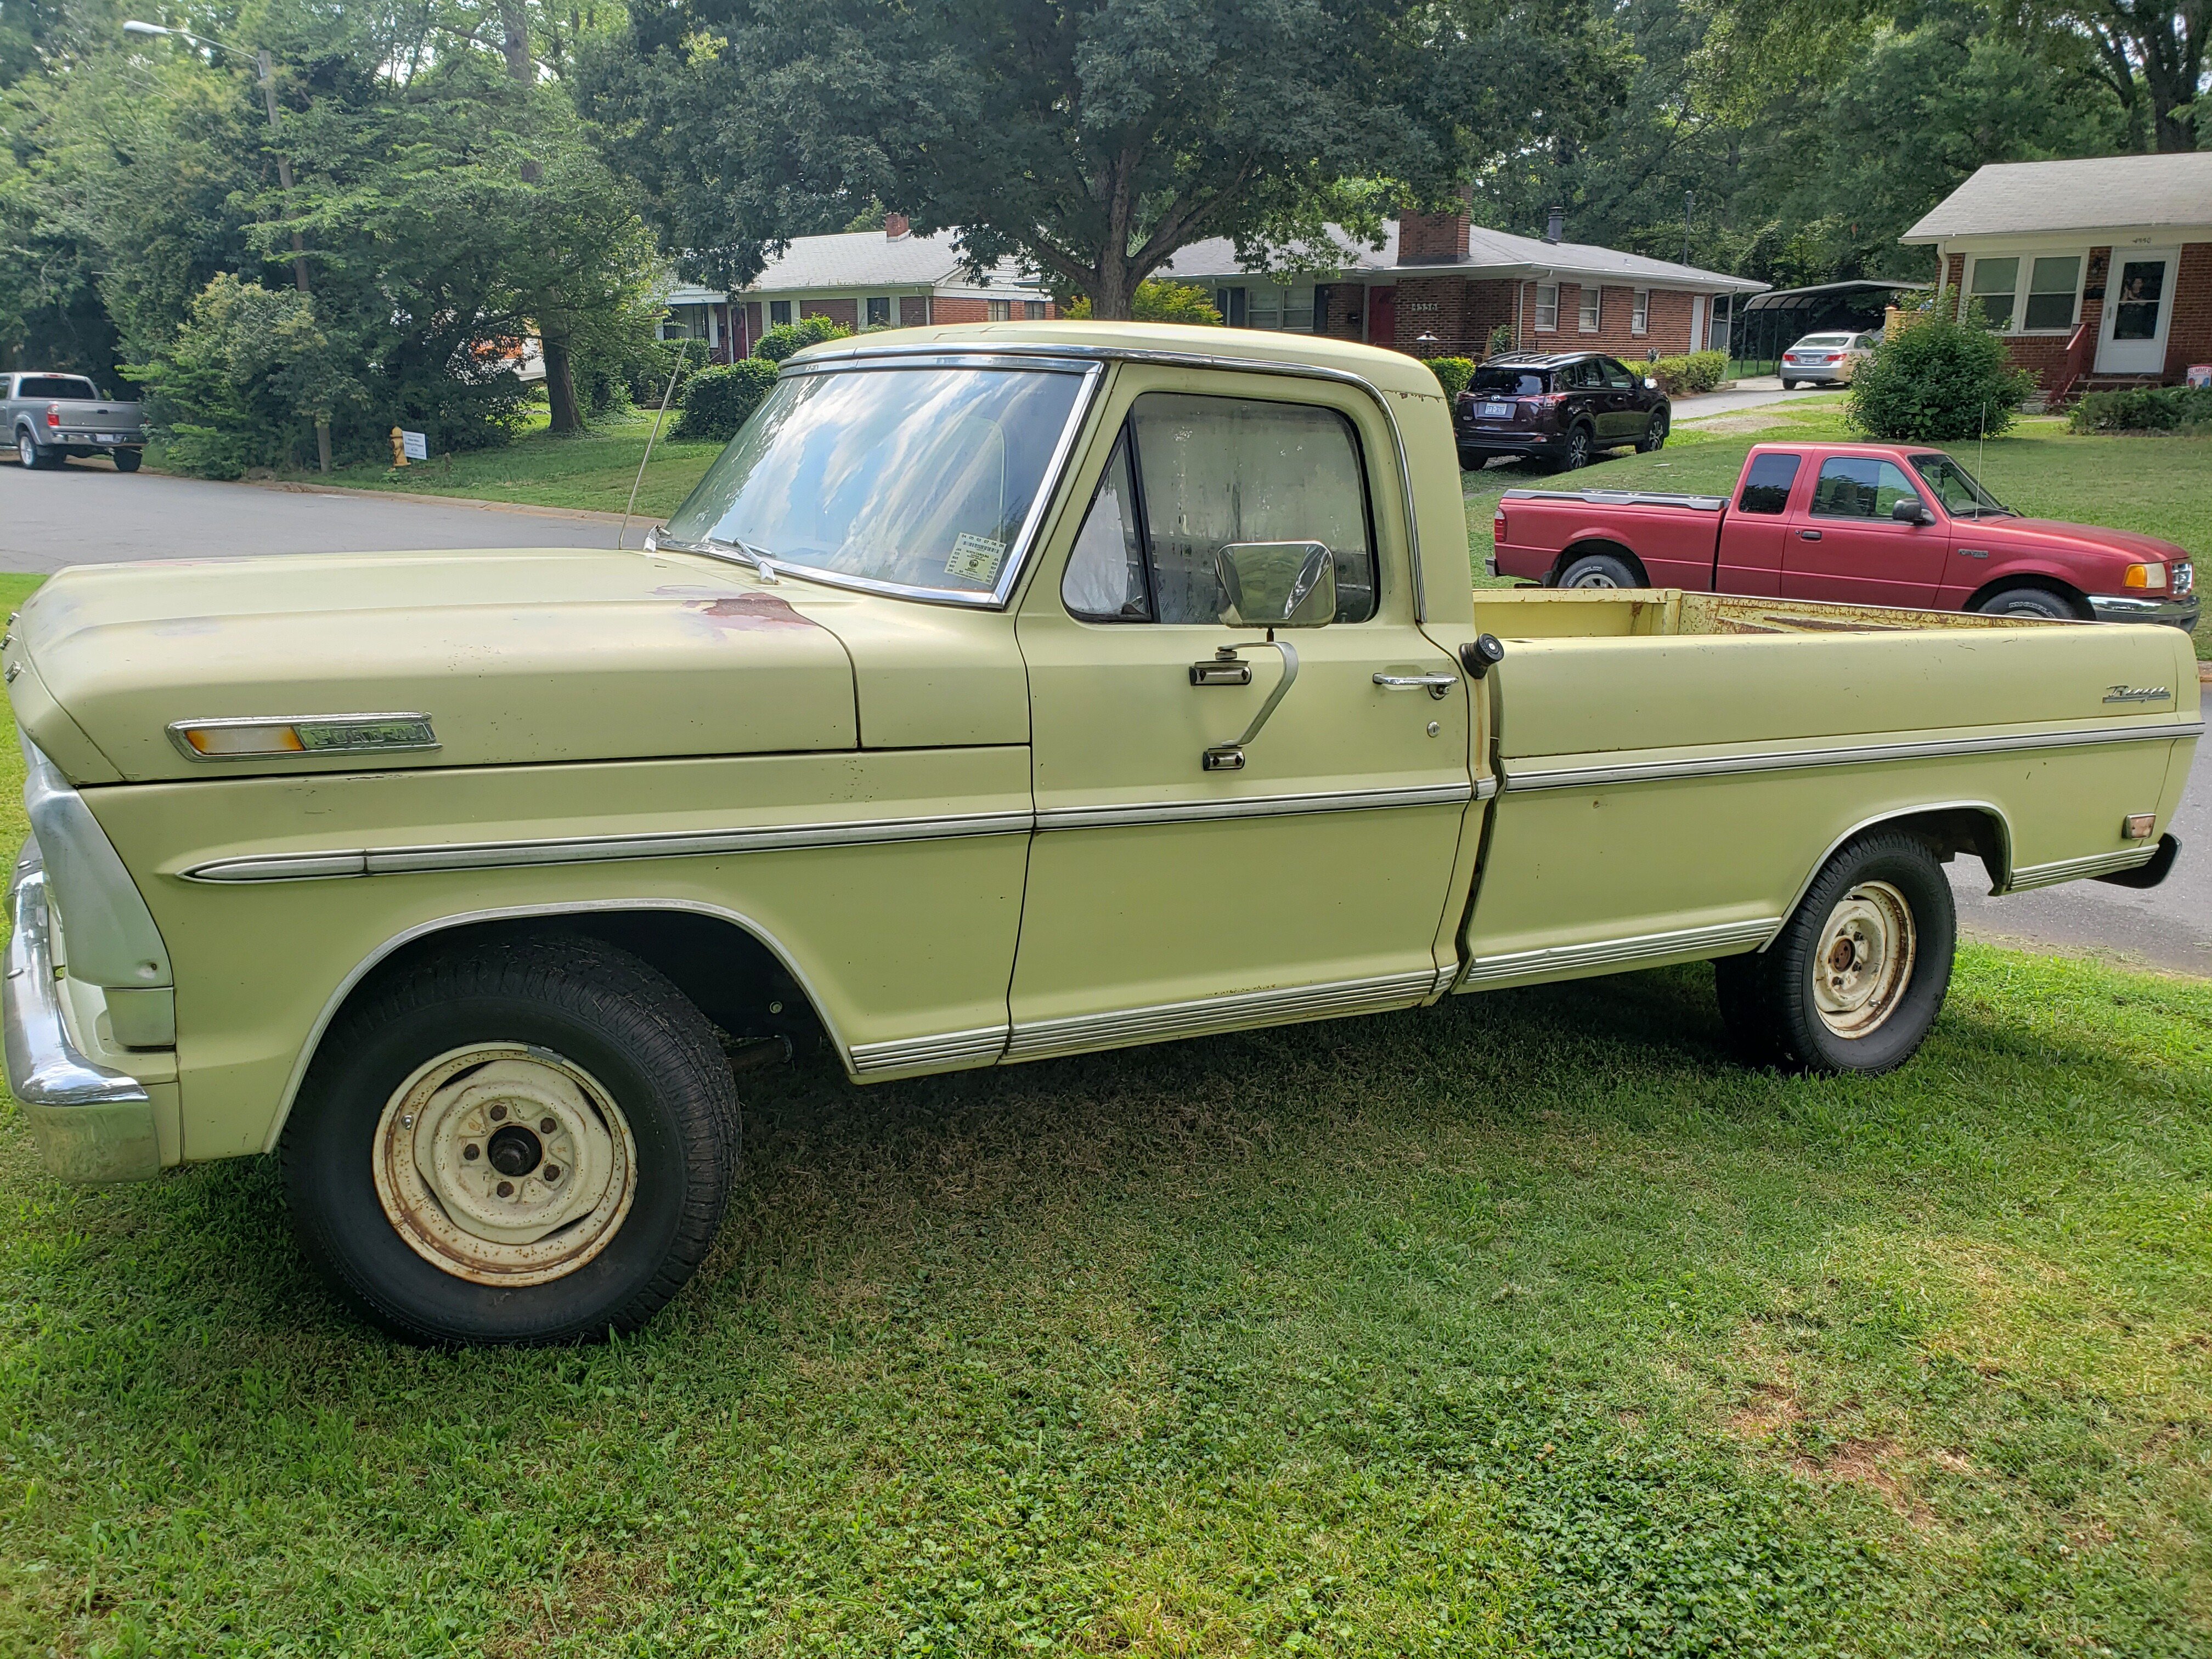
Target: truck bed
[(1529, 613)]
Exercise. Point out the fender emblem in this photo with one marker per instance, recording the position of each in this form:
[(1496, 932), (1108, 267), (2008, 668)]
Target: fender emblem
[(2138, 693)]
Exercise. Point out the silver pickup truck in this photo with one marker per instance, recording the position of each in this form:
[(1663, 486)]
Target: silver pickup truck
[(51, 417)]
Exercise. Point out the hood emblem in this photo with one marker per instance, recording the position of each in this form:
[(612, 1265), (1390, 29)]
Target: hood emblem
[(2136, 694), (260, 737)]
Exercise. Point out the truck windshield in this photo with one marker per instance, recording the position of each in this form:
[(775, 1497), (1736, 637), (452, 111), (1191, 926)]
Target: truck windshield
[(920, 478), (1955, 488)]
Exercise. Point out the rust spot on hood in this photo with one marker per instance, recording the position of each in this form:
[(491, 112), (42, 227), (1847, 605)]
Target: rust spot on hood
[(746, 613)]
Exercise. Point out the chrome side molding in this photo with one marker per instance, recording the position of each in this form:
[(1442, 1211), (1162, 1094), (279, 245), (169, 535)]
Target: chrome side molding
[(1720, 938)]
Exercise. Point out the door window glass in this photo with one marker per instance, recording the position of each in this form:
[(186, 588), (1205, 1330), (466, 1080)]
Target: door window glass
[(1859, 486), (1213, 470), (1993, 285), (1105, 579), (1617, 377), (2050, 285), (1766, 487), (2135, 312)]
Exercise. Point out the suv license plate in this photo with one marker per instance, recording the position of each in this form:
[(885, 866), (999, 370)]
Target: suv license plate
[(1494, 411)]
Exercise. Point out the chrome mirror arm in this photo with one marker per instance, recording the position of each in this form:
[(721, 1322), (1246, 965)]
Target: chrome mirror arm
[(1230, 756)]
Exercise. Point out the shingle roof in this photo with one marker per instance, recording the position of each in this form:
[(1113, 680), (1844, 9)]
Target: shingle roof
[(1490, 252), (868, 258), (2093, 193)]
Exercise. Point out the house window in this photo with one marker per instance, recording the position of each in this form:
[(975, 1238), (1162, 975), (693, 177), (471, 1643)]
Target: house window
[(2051, 284), (779, 312), (1547, 307), (1263, 307), (1298, 309), (1229, 302), (1995, 283), (1639, 320), (1586, 319), (1034, 310), (1001, 311), (880, 312)]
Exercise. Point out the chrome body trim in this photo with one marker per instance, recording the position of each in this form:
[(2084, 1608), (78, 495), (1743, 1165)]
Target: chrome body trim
[(1487, 788), (1163, 1022), (944, 1051), (1621, 498), (602, 849), (91, 1124), (369, 963), (1988, 808), (2092, 864), (2179, 610), (1720, 938), (1019, 351), (1250, 807), (176, 729), (1784, 760), (1017, 558), (113, 939)]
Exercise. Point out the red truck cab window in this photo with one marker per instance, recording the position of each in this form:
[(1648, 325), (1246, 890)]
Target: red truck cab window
[(1749, 557), (1767, 483)]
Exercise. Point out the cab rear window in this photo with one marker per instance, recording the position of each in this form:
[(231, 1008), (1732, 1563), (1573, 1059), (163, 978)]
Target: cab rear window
[(1766, 486), (54, 386)]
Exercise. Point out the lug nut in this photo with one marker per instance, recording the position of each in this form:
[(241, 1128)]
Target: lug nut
[(472, 1151), (507, 1190), (498, 1113), (546, 1126), (552, 1173)]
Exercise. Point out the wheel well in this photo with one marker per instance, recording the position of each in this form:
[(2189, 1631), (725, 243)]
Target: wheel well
[(1964, 827), (1597, 544), (2066, 590)]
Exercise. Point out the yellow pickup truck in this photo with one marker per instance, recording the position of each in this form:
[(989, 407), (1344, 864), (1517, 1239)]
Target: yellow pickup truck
[(1002, 692)]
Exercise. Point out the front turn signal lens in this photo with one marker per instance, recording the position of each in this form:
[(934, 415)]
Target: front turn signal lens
[(217, 741), (2145, 575), (325, 734)]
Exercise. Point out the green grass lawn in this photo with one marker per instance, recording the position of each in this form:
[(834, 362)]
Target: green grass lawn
[(2160, 486), (1532, 1324)]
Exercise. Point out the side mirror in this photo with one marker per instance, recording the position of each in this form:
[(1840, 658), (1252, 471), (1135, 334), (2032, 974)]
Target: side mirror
[(1909, 509), (1275, 584), (1651, 385)]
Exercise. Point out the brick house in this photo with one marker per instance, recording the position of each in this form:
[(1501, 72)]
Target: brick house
[(2098, 270), (887, 278), (1441, 277)]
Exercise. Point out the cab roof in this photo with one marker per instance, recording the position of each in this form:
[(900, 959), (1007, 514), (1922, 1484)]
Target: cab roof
[(1389, 371)]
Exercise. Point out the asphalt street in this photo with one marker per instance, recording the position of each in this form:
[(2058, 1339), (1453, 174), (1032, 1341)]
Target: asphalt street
[(87, 514)]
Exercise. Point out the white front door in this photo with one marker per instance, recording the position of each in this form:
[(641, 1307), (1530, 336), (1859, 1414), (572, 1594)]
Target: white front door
[(2138, 305)]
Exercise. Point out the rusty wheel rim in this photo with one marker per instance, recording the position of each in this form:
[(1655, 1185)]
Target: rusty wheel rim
[(1864, 959), (504, 1165)]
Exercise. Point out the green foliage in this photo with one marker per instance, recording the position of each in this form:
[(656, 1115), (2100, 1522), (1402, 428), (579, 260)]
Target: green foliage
[(1938, 379), (2144, 408), (1452, 374), (1158, 301), (784, 338), (718, 401), (242, 382), (1700, 371), (1502, 338)]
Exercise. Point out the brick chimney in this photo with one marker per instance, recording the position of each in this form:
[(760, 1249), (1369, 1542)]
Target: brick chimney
[(896, 227), (1555, 225), (1433, 239)]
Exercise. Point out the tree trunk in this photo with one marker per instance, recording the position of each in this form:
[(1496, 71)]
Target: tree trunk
[(1111, 290), (514, 23), (560, 386)]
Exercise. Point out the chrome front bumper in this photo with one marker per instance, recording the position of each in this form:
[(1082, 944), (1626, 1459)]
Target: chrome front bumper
[(91, 1124), (2174, 612)]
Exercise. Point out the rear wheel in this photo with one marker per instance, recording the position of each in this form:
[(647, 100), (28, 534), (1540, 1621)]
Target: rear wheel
[(2029, 602), (126, 460), (523, 1142), (1575, 456), (1855, 979), (1599, 570), (33, 454)]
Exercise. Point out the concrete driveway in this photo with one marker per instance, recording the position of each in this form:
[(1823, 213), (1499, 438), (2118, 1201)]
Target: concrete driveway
[(1745, 395), (86, 512)]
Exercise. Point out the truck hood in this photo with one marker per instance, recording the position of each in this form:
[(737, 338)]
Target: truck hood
[(515, 657), (2056, 535)]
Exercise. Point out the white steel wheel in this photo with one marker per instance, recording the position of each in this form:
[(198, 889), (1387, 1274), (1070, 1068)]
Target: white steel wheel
[(1864, 959), (504, 1165)]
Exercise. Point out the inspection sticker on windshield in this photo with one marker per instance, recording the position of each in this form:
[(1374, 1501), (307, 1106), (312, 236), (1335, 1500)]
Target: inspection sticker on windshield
[(976, 557)]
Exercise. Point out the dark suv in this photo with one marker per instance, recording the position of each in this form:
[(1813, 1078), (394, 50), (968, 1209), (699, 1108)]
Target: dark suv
[(1563, 406)]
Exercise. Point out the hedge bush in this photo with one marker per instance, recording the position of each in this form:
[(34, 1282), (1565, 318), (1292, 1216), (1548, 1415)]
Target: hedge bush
[(1700, 371), (1160, 302), (2144, 408), (718, 401), (784, 338), (1452, 374), (1939, 380)]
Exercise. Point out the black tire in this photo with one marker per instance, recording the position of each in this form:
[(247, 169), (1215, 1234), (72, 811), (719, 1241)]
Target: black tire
[(1576, 454), (1599, 570), (1654, 433), (126, 460), (34, 455), (1769, 1000), (2029, 602), (594, 1008)]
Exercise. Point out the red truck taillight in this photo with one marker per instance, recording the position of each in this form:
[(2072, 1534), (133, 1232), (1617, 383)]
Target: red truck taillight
[(1498, 526), (53, 414)]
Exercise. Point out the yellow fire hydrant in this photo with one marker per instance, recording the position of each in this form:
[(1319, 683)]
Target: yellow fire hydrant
[(398, 449)]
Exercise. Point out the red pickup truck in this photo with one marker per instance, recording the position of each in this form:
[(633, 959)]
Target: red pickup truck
[(1861, 524)]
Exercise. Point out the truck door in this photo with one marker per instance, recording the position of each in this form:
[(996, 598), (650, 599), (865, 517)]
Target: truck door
[(1843, 544), (1304, 874), (1757, 526)]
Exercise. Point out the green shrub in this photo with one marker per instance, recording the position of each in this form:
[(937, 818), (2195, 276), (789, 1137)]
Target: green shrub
[(784, 338), (2144, 408), (1452, 374), (1700, 371), (718, 401), (1157, 301), (1502, 338), (1938, 380)]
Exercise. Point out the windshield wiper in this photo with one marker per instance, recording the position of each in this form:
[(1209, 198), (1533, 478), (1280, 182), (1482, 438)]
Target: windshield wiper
[(726, 547)]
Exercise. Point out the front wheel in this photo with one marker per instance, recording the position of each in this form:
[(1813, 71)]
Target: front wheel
[(2029, 602), (1855, 979), (1654, 433), (526, 1141)]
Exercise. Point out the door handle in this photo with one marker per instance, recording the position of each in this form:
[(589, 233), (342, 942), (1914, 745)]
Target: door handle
[(1436, 685), (1809, 535), (1226, 668)]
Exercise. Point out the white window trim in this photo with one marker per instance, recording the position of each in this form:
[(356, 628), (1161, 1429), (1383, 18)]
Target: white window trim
[(1542, 306), (2021, 278), (1639, 318), (1595, 311)]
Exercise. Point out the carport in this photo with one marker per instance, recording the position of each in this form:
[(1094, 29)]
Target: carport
[(1766, 324)]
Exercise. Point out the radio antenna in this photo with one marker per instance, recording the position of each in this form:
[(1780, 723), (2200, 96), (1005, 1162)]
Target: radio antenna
[(682, 351)]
